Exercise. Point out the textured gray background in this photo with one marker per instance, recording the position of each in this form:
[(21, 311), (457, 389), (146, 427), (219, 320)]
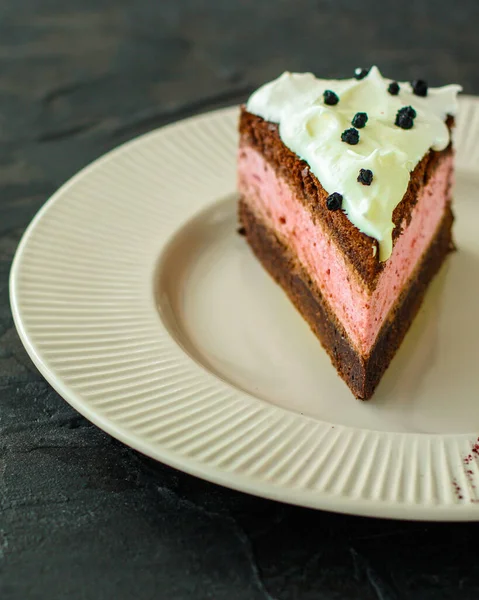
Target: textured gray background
[(81, 516)]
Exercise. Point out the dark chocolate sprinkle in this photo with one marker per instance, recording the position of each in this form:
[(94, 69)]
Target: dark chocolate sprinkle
[(403, 120), (365, 176), (330, 97), (393, 88), (334, 201), (419, 87), (360, 73), (350, 136), (359, 120)]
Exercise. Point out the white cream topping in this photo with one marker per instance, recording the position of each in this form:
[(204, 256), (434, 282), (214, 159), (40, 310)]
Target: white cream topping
[(312, 130)]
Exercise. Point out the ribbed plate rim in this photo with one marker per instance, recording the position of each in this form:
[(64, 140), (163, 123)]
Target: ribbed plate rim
[(467, 155)]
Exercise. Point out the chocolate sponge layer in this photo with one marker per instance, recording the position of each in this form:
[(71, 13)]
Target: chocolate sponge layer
[(362, 374)]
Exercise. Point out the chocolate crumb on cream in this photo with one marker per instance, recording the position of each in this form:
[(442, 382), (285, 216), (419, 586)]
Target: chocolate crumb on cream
[(359, 120), (330, 98), (365, 176), (393, 88), (404, 121), (334, 201), (419, 87), (350, 136), (360, 73)]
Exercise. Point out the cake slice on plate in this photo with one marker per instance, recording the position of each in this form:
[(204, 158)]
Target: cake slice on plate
[(345, 198)]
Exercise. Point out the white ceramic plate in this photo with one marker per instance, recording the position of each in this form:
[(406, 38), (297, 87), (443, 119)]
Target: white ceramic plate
[(144, 309)]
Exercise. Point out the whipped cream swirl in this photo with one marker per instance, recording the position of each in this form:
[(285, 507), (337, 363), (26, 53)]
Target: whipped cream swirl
[(312, 129)]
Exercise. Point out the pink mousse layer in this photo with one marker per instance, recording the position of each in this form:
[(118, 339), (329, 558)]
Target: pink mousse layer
[(360, 311)]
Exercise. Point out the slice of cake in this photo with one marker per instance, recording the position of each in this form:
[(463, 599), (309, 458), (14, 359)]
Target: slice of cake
[(345, 199)]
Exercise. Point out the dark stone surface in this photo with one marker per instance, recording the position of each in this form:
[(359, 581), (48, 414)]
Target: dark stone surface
[(81, 516)]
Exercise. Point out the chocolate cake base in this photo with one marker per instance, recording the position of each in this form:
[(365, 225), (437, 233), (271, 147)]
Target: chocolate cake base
[(362, 374)]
